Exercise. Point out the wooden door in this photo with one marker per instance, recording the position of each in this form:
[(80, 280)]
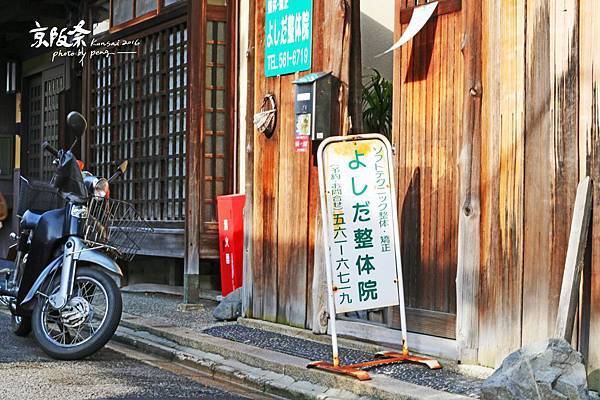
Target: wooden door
[(427, 125)]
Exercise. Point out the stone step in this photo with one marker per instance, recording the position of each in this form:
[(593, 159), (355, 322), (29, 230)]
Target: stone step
[(246, 359)]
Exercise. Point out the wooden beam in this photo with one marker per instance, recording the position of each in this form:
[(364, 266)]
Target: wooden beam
[(247, 17), (569, 294), (195, 170), (467, 279), (314, 260), (356, 70)]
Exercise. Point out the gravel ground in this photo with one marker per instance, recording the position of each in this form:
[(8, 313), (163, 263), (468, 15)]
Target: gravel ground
[(164, 309), (27, 373), (445, 380)]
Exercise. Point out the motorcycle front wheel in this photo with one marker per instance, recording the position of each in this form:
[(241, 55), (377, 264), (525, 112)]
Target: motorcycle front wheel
[(86, 323)]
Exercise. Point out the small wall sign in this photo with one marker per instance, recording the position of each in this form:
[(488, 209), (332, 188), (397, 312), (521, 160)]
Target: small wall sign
[(288, 36)]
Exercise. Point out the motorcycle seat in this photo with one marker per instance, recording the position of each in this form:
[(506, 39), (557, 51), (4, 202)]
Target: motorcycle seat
[(30, 220)]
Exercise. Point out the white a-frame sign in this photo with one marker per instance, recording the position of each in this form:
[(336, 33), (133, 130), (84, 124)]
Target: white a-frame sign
[(361, 237)]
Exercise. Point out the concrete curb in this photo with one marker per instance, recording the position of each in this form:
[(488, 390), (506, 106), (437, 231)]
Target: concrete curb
[(221, 368), (265, 370)]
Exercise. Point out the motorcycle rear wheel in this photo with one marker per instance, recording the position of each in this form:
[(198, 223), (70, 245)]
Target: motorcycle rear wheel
[(74, 332)]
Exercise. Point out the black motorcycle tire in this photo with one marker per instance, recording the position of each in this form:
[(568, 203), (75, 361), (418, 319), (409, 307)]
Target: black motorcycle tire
[(20, 326), (100, 338)]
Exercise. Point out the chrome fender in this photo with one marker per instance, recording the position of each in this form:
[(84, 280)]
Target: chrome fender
[(101, 259), (86, 255)]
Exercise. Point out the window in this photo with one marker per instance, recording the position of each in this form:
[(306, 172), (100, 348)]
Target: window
[(216, 142), (42, 103), (138, 113), (125, 13), (122, 11)]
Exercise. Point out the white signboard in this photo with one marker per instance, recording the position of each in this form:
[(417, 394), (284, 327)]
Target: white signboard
[(360, 221)]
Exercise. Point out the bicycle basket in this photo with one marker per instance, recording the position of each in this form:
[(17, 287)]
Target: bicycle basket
[(38, 197), (116, 226)]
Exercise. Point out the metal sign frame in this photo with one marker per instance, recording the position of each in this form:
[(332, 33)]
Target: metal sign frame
[(386, 357)]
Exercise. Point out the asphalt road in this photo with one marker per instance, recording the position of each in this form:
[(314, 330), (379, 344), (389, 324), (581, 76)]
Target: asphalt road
[(27, 373)]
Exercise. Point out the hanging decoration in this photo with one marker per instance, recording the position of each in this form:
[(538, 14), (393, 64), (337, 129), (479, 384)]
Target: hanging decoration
[(266, 119)]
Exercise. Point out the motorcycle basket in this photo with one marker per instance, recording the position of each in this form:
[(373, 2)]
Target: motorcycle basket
[(116, 226), (38, 197)]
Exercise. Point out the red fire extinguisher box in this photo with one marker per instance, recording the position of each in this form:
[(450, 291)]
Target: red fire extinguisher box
[(230, 210)]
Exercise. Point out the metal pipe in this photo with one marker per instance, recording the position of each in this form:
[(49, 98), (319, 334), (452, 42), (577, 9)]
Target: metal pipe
[(330, 294)]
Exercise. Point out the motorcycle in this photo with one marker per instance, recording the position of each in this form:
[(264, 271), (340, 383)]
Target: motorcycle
[(60, 276)]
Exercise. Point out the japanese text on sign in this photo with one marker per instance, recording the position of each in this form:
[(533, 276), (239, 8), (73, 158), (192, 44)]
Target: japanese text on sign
[(72, 42), (360, 226), (288, 36)]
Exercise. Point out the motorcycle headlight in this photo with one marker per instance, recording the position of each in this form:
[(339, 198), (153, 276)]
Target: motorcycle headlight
[(101, 188)]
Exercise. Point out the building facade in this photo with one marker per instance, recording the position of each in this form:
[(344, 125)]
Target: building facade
[(494, 121)]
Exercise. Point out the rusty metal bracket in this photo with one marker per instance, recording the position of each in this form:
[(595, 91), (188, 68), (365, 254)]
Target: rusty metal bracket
[(383, 358)]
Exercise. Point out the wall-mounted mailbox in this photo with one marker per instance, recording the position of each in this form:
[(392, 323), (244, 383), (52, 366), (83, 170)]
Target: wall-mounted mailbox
[(316, 105)]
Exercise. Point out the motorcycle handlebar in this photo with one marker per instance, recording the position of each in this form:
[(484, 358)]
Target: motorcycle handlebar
[(50, 149), (115, 176)]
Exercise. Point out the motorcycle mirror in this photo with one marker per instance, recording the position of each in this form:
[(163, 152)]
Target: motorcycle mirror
[(76, 123), (123, 166)]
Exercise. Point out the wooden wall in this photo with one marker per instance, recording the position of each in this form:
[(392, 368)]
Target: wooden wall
[(280, 201), (285, 183), (540, 134), (540, 137)]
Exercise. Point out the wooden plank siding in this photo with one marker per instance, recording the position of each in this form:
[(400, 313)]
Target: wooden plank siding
[(541, 137), (551, 159), (530, 168), (532, 147), (266, 161), (502, 179), (427, 125), (292, 205)]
